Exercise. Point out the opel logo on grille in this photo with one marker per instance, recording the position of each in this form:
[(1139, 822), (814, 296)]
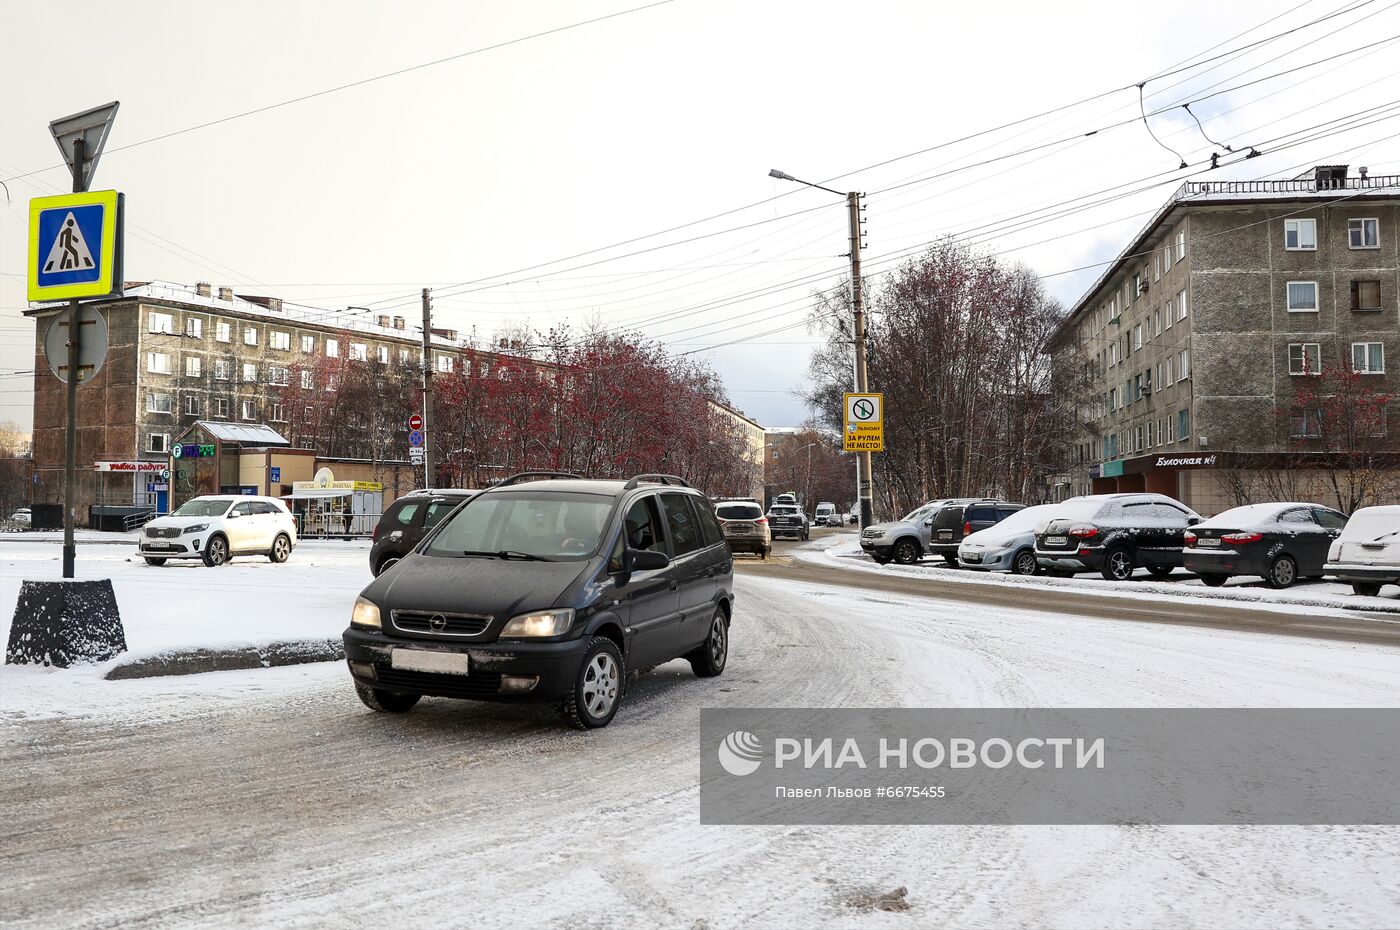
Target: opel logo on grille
[(437, 623)]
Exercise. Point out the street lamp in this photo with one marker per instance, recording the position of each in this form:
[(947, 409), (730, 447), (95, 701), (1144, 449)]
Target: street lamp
[(853, 209)]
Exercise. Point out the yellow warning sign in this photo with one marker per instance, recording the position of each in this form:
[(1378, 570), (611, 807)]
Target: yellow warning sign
[(864, 423)]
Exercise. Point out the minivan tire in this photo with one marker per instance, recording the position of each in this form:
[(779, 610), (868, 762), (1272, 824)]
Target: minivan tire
[(151, 560), (386, 702), (281, 549), (708, 661), (216, 552), (1118, 564), (600, 657), (385, 565), (906, 552)]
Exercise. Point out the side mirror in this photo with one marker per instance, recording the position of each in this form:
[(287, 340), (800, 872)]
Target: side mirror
[(646, 560), (234, 514), (1192, 521), (928, 522)]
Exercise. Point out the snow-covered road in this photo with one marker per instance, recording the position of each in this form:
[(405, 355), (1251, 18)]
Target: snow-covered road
[(274, 798)]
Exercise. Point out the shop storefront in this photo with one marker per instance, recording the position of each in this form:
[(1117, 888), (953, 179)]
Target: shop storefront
[(327, 507), (205, 458)]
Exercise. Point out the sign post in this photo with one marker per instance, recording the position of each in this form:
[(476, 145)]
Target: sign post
[(74, 252)]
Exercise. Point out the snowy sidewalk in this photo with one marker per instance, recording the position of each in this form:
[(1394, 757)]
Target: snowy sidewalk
[(1305, 597), (184, 617)]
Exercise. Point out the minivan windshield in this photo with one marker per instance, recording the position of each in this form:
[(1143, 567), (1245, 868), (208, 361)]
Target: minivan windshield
[(203, 507), (530, 525)]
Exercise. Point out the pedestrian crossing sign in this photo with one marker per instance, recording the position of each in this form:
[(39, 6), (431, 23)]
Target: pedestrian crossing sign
[(75, 243)]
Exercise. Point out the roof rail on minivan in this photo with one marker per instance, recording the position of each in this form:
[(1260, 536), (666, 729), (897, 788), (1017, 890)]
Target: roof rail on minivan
[(655, 479), (521, 477)]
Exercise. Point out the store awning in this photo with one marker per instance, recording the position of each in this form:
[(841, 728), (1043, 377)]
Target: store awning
[(245, 434), (313, 493)]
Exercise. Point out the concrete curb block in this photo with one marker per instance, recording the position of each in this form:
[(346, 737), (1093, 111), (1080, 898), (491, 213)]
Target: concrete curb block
[(198, 661)]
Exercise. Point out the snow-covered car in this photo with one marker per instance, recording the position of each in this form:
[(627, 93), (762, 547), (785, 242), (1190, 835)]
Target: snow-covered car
[(1114, 534), (1280, 542), (1367, 554), (1008, 546), (904, 540), (216, 529), (22, 515)]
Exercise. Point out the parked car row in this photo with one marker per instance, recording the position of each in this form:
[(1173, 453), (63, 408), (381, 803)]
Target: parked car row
[(1116, 534)]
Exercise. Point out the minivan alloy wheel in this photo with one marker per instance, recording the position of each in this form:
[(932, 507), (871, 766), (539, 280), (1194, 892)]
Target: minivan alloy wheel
[(600, 684), (708, 660)]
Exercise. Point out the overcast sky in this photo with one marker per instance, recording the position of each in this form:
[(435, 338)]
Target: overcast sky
[(464, 172)]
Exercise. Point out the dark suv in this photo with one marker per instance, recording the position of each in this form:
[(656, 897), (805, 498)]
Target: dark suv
[(548, 587), (1114, 534), (963, 518), (407, 521)]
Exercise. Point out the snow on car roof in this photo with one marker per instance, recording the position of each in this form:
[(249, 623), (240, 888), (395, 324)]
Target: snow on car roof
[(1252, 513)]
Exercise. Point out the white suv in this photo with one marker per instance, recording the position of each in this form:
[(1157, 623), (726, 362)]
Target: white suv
[(216, 529)]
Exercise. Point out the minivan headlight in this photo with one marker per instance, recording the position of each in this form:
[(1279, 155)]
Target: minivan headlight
[(540, 623), (197, 528), (365, 615)]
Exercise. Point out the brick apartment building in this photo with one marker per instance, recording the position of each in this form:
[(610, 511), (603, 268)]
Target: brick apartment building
[(1198, 335)]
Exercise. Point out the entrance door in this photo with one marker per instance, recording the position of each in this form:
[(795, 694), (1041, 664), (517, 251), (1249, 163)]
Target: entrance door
[(162, 502)]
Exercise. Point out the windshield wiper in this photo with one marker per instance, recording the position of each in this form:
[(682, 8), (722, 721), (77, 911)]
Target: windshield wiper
[(516, 554), (481, 553), (1384, 535)]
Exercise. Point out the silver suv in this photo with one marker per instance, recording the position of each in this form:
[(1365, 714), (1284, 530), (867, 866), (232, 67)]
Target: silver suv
[(905, 540)]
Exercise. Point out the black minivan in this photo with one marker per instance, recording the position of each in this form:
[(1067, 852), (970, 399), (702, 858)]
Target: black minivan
[(548, 587)]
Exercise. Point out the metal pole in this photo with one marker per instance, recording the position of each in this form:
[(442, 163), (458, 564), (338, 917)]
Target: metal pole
[(858, 307), (427, 387), (70, 451)]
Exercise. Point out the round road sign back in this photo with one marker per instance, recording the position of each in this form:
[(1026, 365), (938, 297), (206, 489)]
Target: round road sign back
[(92, 353)]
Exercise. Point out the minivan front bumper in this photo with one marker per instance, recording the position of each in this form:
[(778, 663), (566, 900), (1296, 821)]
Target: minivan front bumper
[(554, 665)]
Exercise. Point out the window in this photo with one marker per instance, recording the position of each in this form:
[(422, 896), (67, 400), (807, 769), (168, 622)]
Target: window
[(1181, 246), (1302, 296), (1137, 337), (330, 383), (162, 323), (640, 530), (1181, 304), (1368, 358), (308, 380), (1365, 295), (249, 410), (1167, 259), (1160, 383), (308, 344), (357, 351), (158, 403), (1305, 423), (1156, 266), (1137, 284), (1151, 434), (1137, 387), (221, 369), (1171, 429), (1300, 235), (403, 356), (1168, 314), (223, 332), (1304, 358), (1156, 322), (1183, 424), (250, 336), (194, 366), (1138, 440), (279, 413), (436, 511), (1183, 365), (332, 348), (1171, 371), (191, 405), (276, 375), (685, 533), (157, 442), (1147, 381), (281, 341), (1296, 515), (221, 407), (194, 327), (1361, 234), (1112, 405), (158, 363), (444, 363), (250, 372), (382, 353)]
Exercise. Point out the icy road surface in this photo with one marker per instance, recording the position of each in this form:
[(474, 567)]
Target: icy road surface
[(273, 798)]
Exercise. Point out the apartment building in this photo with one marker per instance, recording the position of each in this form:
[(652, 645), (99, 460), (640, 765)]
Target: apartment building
[(182, 356), (1198, 337)]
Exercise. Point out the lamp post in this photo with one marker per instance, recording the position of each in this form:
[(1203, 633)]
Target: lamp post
[(853, 209)]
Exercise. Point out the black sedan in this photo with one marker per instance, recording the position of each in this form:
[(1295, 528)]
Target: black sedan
[(1279, 542)]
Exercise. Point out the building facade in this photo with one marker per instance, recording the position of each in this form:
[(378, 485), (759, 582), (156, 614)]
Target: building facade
[(1203, 341), (754, 438), (181, 355)]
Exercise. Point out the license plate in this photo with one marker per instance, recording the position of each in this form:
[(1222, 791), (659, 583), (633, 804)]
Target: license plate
[(741, 532), (1056, 540), (945, 534), (1208, 543), (972, 557), (159, 545), (424, 660)]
